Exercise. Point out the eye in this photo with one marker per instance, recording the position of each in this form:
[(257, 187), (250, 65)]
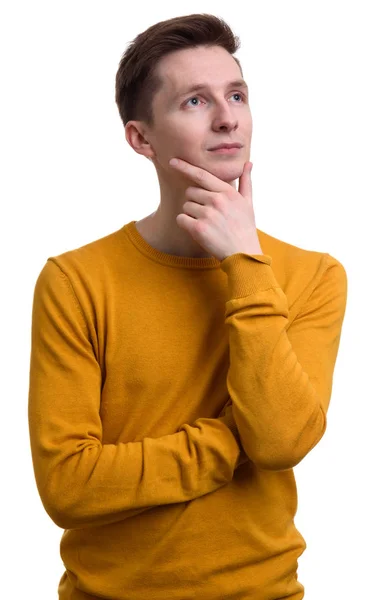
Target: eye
[(196, 98), (192, 98), (238, 94)]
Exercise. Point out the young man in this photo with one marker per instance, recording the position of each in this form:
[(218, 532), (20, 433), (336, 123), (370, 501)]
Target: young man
[(182, 365)]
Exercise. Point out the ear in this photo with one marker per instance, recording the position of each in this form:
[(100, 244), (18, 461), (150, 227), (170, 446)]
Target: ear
[(135, 136)]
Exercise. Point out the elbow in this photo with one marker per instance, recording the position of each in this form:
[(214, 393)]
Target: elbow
[(283, 452), (64, 519), (62, 500), (267, 462), (281, 457), (63, 491), (61, 512)]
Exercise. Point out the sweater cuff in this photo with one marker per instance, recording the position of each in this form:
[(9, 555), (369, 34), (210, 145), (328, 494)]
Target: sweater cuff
[(248, 273)]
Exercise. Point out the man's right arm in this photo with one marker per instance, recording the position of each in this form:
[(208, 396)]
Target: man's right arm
[(81, 481)]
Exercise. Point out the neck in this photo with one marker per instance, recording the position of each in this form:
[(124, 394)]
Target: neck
[(161, 230)]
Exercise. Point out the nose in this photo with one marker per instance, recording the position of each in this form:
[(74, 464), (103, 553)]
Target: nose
[(224, 119)]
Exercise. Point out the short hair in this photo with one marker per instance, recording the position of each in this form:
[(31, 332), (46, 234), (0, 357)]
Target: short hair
[(137, 80)]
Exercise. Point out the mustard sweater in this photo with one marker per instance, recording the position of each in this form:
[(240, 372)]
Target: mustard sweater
[(169, 400)]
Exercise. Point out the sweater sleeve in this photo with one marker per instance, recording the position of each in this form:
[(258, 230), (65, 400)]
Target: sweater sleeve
[(280, 374), (81, 481)]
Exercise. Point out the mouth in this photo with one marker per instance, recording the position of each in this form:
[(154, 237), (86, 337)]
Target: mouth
[(233, 149), (226, 148)]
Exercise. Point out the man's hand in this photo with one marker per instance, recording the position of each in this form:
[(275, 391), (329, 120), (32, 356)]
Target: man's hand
[(217, 216)]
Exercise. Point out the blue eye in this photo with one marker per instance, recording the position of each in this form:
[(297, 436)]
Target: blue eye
[(193, 98), (196, 98)]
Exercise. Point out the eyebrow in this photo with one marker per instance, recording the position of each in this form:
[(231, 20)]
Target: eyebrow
[(238, 83)]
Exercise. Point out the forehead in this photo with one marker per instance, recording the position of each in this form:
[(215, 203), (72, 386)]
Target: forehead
[(195, 65)]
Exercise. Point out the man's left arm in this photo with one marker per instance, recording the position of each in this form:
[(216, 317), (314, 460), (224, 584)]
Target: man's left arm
[(280, 375)]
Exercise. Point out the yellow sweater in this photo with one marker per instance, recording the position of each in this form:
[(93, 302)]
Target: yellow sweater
[(170, 398)]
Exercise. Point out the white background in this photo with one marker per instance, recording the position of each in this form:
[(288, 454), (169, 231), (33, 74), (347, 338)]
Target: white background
[(69, 177)]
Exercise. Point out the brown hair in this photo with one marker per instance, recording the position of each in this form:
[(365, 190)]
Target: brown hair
[(136, 78)]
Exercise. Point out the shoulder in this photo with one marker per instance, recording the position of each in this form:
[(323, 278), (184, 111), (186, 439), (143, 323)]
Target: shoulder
[(88, 270), (299, 271), (89, 261)]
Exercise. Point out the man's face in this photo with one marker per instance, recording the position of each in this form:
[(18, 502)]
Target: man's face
[(188, 123)]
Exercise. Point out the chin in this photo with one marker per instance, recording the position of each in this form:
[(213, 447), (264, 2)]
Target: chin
[(228, 172)]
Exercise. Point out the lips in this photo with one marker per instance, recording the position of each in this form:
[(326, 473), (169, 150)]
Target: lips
[(232, 145)]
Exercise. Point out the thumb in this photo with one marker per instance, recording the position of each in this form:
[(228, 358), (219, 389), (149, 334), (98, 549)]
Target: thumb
[(245, 183)]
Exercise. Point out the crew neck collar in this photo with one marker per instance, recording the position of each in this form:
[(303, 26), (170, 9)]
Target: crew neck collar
[(170, 260)]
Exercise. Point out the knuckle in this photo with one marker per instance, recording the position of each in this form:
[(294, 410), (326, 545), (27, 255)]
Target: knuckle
[(209, 212), (215, 201), (199, 226)]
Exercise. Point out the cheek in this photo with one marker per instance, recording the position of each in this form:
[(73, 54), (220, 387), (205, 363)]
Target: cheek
[(188, 133), (184, 142)]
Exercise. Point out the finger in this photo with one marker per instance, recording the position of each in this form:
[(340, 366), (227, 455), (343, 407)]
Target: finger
[(245, 181), (202, 177), (197, 194), (194, 209)]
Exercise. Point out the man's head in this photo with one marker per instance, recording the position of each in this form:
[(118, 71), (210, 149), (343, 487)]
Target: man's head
[(165, 116)]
